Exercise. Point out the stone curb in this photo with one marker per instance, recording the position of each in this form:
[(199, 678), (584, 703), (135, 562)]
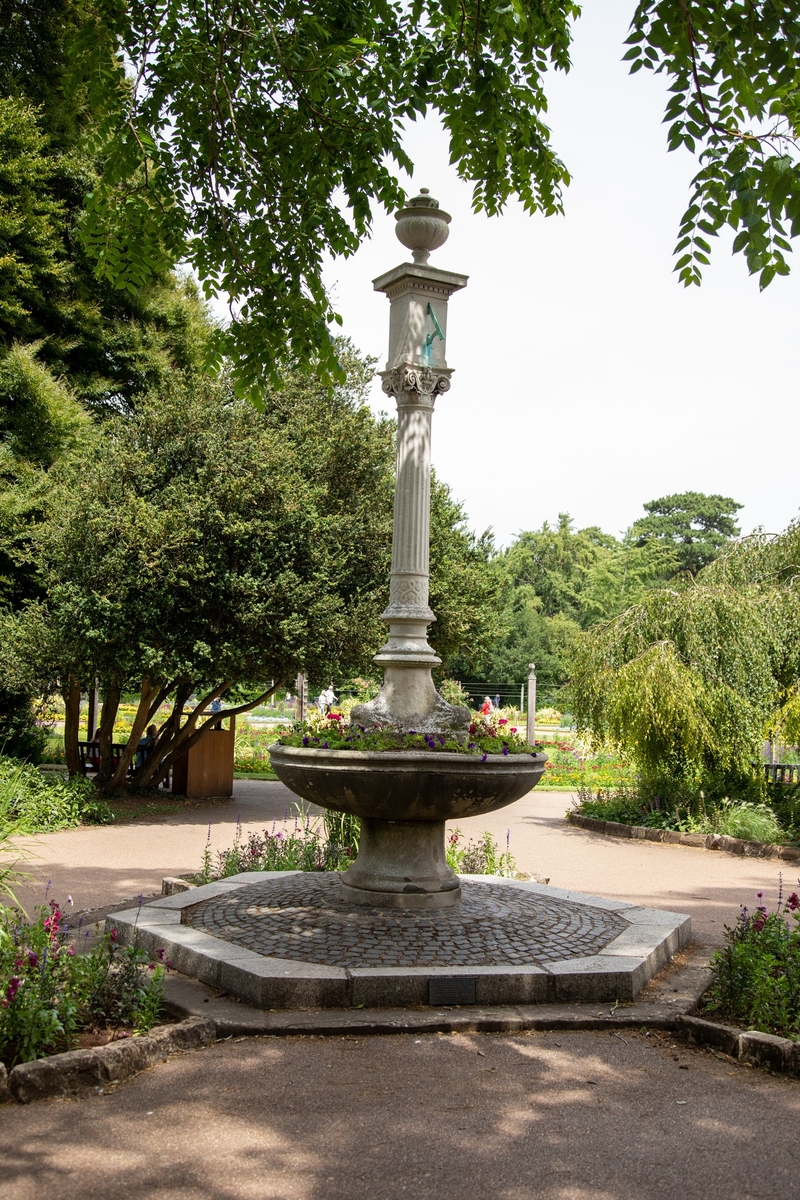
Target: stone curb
[(749, 1046), (669, 996), (83, 1072), (699, 841)]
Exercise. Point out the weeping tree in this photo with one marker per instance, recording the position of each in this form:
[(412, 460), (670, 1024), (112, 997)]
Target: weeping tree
[(689, 681)]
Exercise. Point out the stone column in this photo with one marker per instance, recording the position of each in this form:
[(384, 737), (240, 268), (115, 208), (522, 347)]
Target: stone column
[(531, 730), (416, 373)]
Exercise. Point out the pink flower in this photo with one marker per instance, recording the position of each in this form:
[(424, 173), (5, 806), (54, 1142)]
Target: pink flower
[(71, 950), (793, 903), (113, 935)]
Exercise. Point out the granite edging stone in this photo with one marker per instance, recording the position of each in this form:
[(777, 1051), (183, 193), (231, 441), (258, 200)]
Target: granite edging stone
[(83, 1072), (748, 1046), (699, 841)]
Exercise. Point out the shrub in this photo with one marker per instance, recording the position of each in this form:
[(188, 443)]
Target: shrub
[(49, 991), (452, 691), (633, 806), (756, 975), (39, 803), (755, 822), (479, 857)]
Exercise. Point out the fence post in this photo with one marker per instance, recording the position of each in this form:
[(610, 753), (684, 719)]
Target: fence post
[(531, 730), (301, 688)]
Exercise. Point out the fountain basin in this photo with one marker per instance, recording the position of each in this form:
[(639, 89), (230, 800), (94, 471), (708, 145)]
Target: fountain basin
[(406, 785), (403, 798)]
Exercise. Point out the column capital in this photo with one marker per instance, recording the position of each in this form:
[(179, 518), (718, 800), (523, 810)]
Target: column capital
[(424, 382)]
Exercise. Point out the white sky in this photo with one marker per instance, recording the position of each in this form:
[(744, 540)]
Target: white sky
[(587, 379)]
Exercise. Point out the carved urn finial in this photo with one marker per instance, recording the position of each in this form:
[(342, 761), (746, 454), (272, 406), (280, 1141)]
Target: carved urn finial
[(422, 225)]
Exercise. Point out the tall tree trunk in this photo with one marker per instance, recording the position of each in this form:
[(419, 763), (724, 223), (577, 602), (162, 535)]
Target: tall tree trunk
[(72, 715), (173, 736), (149, 704), (111, 698)]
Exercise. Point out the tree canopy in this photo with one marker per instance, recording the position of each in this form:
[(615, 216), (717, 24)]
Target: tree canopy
[(230, 132), (696, 527), (555, 581)]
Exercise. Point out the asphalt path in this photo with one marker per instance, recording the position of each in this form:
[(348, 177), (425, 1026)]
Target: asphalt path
[(555, 1116)]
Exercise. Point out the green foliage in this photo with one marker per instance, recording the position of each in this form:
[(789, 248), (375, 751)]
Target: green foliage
[(735, 103), (452, 691), (230, 133), (684, 682), (688, 812), (696, 526), (308, 845), (49, 991), (479, 856), (756, 975), (11, 855), (92, 343), (243, 177), (41, 803), (330, 843), (464, 588), (755, 822)]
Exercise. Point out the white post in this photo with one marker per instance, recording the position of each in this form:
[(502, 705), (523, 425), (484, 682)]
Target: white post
[(531, 730)]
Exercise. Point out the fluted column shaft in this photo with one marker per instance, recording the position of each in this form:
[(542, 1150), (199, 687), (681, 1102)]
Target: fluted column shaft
[(412, 496)]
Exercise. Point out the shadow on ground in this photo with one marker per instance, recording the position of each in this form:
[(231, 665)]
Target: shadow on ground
[(592, 1116)]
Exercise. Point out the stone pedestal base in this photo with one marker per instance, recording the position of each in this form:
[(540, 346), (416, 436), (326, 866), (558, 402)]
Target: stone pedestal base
[(401, 864)]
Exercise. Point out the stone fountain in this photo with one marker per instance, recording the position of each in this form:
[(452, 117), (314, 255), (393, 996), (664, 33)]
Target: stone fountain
[(404, 797), (309, 940)]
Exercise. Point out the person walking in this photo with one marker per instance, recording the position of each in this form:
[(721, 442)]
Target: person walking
[(487, 708)]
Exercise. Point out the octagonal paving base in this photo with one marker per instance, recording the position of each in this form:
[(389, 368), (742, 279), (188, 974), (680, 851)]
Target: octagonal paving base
[(285, 939)]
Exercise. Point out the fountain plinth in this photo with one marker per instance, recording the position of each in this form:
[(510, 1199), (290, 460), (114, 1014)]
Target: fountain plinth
[(402, 797)]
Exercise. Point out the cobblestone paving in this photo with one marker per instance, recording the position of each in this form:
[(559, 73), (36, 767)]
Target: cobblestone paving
[(301, 917)]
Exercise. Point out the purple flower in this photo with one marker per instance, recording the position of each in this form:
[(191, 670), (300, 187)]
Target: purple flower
[(793, 903), (11, 990), (484, 757), (33, 958), (325, 746), (306, 740), (759, 895), (506, 750)]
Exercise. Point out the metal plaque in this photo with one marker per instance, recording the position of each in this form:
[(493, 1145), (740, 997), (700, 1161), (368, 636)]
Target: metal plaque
[(452, 989)]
